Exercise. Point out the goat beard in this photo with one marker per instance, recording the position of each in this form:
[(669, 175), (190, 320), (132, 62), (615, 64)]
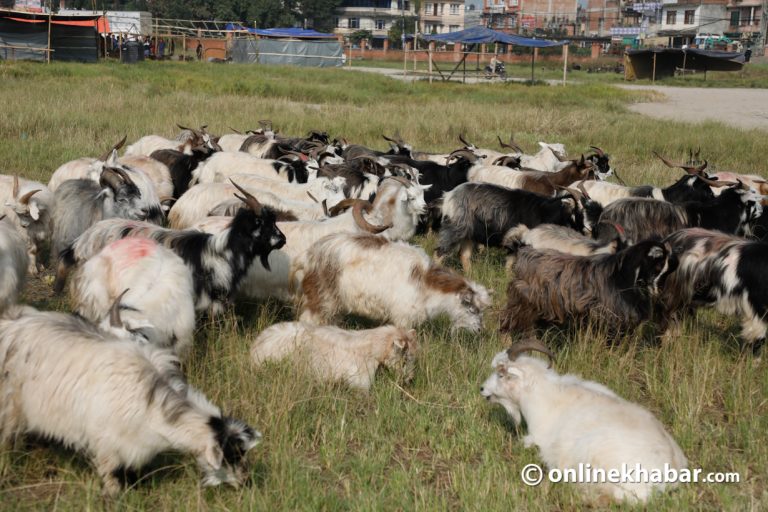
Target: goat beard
[(265, 261)]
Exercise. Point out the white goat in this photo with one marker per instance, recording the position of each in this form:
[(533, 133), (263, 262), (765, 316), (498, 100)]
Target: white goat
[(28, 205), (153, 285), (386, 281), (14, 262), (337, 354), (82, 168), (546, 159), (120, 402), (573, 421), (199, 201), (220, 166)]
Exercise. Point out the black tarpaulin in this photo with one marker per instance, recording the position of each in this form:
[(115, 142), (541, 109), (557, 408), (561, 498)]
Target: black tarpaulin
[(24, 36), (640, 63)]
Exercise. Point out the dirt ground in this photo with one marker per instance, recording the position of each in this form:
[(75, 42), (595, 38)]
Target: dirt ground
[(740, 108)]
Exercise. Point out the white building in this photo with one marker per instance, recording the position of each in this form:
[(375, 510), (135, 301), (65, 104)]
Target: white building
[(378, 16), (683, 21)]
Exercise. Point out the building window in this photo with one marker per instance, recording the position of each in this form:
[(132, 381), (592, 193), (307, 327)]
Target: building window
[(427, 8), (454, 9), (453, 28), (407, 5), (689, 17), (735, 18), (671, 17), (353, 23), (434, 10), (380, 25)]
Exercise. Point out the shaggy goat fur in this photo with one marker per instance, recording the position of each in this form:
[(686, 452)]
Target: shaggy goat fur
[(159, 301), (337, 354), (614, 290), (120, 402), (14, 262), (386, 281), (574, 421)]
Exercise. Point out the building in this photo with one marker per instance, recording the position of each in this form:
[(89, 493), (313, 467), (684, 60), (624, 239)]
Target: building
[(441, 17), (473, 13), (681, 22), (531, 16), (744, 19), (377, 16)]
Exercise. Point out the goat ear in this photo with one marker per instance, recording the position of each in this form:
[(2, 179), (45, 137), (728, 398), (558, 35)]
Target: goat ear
[(515, 372), (34, 211)]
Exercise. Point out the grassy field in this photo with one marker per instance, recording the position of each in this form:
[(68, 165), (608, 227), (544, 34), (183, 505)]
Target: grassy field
[(753, 75), (434, 444)]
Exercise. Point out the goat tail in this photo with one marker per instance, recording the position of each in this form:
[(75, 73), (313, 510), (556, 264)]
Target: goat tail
[(513, 239), (66, 262)]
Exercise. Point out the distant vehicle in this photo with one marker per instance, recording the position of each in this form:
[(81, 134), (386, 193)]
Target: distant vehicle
[(500, 71)]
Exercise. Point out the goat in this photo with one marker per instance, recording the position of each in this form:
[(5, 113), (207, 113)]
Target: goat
[(152, 285), (157, 174), (397, 147), (687, 188), (577, 422), (614, 290), (383, 280), (201, 200), (339, 355), (181, 166), (221, 166), (546, 159), (394, 214), (230, 207), (120, 402), (28, 207), (723, 271), (751, 180), (483, 213), (563, 239), (541, 182), (189, 138), (78, 204), (14, 262), (217, 262), (322, 189), (82, 168), (642, 218)]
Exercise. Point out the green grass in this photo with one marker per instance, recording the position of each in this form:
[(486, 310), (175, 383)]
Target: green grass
[(435, 444)]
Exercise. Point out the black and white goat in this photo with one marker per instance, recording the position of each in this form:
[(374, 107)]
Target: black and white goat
[(723, 271), (120, 402), (181, 166), (687, 188), (480, 213), (220, 166), (614, 290), (642, 218), (217, 263), (187, 139), (27, 205)]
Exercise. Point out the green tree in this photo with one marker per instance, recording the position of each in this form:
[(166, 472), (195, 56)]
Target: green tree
[(319, 14), (358, 35), (395, 34)]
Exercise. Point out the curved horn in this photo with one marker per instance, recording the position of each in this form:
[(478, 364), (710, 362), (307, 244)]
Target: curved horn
[(690, 169), (469, 155), (110, 178), (511, 144), (342, 205), (236, 131), (618, 178), (716, 183), (26, 197), (575, 193), (464, 141), (247, 198), (357, 213), (400, 179), (124, 175), (598, 151), (388, 139), (114, 311), (121, 143), (504, 160), (580, 186), (530, 344), (15, 191)]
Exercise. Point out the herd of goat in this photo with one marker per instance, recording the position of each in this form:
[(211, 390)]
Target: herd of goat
[(150, 241)]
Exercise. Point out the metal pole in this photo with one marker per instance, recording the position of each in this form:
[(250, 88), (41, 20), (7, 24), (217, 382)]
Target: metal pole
[(565, 62), (533, 60), (654, 67), (48, 53)]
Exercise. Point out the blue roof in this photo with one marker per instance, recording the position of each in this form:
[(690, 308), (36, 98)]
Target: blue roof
[(477, 35), (296, 33)]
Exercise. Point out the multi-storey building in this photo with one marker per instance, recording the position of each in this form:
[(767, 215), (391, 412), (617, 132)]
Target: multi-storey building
[(744, 19), (683, 20), (531, 15), (378, 16)]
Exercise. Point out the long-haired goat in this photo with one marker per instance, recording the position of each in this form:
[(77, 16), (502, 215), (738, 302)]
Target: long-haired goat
[(217, 262), (14, 262), (687, 188), (541, 182), (28, 205), (337, 354), (82, 168), (642, 218), (181, 166), (614, 290), (152, 284), (386, 281), (120, 402), (219, 167), (186, 140), (723, 271), (483, 213), (577, 422)]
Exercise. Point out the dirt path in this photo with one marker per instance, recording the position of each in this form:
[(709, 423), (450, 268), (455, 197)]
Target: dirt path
[(741, 108)]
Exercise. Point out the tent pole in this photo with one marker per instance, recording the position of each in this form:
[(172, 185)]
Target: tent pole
[(464, 61), (565, 61), (48, 53), (685, 55), (429, 53), (533, 60), (654, 68)]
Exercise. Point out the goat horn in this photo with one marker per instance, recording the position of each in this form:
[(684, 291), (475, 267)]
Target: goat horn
[(575, 193), (690, 169), (469, 155), (120, 144), (616, 175), (185, 128), (236, 131), (26, 197), (464, 141), (402, 180), (324, 203), (15, 191), (124, 175), (339, 207), (388, 139), (559, 157), (580, 186), (357, 213), (716, 183), (530, 344), (598, 151), (247, 198), (114, 311)]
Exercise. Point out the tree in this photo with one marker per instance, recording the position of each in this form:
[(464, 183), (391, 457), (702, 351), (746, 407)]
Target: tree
[(319, 14), (395, 34), (358, 35)]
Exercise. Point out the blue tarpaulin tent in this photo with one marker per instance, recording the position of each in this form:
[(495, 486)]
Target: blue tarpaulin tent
[(483, 35)]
